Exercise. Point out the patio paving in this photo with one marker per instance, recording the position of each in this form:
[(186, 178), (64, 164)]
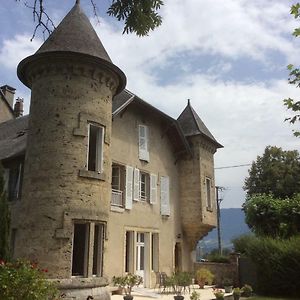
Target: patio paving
[(141, 293)]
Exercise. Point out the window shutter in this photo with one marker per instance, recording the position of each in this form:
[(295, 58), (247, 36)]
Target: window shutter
[(129, 183), (143, 142), (6, 179), (164, 196), (153, 188), (136, 190)]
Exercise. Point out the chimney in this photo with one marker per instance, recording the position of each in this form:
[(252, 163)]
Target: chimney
[(9, 93), (18, 108)]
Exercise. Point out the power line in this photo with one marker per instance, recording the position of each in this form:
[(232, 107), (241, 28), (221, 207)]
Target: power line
[(230, 167)]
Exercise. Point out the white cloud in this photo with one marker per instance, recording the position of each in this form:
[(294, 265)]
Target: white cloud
[(15, 49)]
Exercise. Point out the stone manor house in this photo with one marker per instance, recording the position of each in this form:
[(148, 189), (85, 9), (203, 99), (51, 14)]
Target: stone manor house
[(99, 181)]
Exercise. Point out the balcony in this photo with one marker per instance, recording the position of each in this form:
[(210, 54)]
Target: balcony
[(117, 198)]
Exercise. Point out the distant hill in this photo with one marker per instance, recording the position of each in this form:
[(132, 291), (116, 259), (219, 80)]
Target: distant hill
[(232, 225)]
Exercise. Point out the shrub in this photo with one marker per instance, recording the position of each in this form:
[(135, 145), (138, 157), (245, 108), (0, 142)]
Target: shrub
[(247, 290), (218, 258), (242, 243), (204, 276), (22, 280), (278, 263)]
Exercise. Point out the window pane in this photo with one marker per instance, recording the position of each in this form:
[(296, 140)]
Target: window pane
[(208, 193), (80, 241), (98, 246), (95, 148)]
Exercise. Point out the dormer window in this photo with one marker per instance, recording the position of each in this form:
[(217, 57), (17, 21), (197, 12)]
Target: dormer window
[(95, 148), (144, 143)]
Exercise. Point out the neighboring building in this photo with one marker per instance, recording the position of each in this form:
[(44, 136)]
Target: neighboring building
[(99, 181)]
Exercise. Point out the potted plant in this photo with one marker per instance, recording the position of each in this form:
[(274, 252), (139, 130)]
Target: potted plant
[(180, 281), (236, 293), (126, 283), (247, 290), (219, 294), (227, 283), (204, 276)]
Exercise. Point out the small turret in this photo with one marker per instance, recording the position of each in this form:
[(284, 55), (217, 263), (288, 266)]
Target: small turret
[(198, 207)]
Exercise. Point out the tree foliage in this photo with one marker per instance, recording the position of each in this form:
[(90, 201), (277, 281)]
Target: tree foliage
[(294, 77), (271, 217), (276, 172), (4, 221), (139, 16)]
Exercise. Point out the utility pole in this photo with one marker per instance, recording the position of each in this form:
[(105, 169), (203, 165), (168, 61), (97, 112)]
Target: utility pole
[(219, 200)]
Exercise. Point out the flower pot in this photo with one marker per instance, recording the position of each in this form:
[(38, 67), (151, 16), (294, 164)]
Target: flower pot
[(228, 289), (236, 297), (127, 297), (178, 297)]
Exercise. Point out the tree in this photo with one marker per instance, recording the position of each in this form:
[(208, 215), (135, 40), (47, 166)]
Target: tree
[(294, 78), (4, 221), (272, 217), (276, 172), (139, 16)]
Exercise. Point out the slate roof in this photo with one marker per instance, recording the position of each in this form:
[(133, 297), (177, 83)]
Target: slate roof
[(13, 137), (192, 125), (75, 34)]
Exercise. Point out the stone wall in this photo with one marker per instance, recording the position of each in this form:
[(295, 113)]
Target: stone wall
[(222, 270)]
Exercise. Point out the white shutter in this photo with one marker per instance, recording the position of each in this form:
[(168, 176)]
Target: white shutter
[(129, 182), (153, 188), (6, 179), (136, 190), (164, 196), (143, 142)]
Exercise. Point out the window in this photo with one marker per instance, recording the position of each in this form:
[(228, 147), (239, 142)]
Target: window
[(95, 148), (117, 185), (15, 180), (144, 186), (98, 250), (143, 142), (80, 249), (208, 193)]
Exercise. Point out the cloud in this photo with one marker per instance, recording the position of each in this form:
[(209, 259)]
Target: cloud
[(15, 49)]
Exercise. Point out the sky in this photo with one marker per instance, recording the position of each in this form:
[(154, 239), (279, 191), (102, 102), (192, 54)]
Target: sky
[(228, 56)]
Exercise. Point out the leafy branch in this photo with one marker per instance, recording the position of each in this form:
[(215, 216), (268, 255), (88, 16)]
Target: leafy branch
[(139, 16)]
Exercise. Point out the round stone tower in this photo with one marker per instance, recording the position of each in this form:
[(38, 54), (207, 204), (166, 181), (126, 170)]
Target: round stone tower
[(61, 220)]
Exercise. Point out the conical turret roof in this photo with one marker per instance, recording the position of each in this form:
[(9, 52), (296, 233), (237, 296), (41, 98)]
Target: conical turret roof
[(192, 124), (75, 34)]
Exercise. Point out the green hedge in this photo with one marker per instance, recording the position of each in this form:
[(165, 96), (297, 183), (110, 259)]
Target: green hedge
[(278, 265)]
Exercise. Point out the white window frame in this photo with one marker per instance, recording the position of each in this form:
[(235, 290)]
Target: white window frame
[(146, 197), (99, 148)]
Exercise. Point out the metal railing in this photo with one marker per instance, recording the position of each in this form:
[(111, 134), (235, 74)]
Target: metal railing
[(117, 198)]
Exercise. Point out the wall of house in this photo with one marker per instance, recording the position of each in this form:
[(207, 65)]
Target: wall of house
[(144, 217), (5, 113)]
